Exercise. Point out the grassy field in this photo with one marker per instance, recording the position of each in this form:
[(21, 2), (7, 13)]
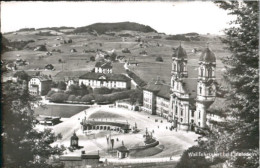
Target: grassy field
[(104, 115), (77, 63), (63, 111)]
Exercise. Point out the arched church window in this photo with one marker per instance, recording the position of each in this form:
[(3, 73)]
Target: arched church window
[(174, 67), (210, 72), (181, 112), (200, 89), (181, 67), (199, 114), (201, 72), (192, 113), (176, 110), (210, 91)]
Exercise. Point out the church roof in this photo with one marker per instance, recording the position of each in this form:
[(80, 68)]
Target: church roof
[(106, 65), (207, 56), (107, 77), (179, 53), (190, 86), (164, 92), (159, 88)]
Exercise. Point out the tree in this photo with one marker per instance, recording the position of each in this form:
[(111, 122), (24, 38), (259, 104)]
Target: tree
[(190, 161), (92, 58), (70, 41), (159, 59), (74, 89), (62, 85), (23, 145), (240, 133), (136, 97), (113, 56), (85, 89), (22, 75)]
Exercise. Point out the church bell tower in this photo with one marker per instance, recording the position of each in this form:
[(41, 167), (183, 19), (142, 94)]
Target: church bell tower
[(206, 86)]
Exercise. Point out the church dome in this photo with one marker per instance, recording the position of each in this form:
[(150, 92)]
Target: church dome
[(207, 56), (179, 53)]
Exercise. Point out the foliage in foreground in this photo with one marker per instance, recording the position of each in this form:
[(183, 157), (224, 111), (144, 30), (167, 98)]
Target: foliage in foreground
[(23, 146), (240, 132)]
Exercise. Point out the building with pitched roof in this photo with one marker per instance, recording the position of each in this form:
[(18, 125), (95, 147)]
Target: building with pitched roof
[(122, 151), (39, 85), (84, 160), (156, 98), (186, 100), (103, 67), (109, 80)]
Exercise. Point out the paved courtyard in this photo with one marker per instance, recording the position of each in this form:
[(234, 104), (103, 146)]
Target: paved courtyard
[(171, 143)]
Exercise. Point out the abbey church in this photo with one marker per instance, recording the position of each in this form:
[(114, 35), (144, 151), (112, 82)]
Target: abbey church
[(186, 100)]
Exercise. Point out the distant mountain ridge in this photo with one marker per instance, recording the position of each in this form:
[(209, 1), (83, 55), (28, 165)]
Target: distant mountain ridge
[(101, 28)]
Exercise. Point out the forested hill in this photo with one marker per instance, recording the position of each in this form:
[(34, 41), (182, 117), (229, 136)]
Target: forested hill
[(101, 28)]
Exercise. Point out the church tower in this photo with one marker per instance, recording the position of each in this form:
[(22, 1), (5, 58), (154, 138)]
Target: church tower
[(179, 100), (179, 63), (206, 86)]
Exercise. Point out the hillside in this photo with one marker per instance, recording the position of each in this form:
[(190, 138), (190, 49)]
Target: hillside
[(101, 28)]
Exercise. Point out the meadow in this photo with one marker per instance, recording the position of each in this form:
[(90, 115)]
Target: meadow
[(75, 64), (63, 111)]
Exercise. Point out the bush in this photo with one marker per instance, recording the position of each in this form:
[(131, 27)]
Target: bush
[(100, 98), (51, 92), (159, 59), (87, 98), (102, 90), (78, 98), (109, 98), (59, 97), (92, 58), (72, 98)]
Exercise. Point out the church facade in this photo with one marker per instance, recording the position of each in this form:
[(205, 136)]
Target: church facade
[(188, 98)]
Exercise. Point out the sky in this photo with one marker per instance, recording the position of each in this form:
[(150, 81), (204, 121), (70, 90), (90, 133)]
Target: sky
[(166, 17)]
